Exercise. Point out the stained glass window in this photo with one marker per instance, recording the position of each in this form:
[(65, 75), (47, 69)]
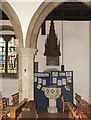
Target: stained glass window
[(12, 57), (2, 55), (8, 56)]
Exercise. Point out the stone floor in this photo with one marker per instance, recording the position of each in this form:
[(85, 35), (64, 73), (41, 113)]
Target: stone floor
[(43, 114)]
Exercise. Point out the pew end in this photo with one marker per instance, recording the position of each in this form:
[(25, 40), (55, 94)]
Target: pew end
[(16, 110), (15, 99), (75, 113), (82, 104)]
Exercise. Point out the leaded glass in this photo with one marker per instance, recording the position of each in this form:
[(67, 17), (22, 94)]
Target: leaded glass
[(12, 57), (2, 55)]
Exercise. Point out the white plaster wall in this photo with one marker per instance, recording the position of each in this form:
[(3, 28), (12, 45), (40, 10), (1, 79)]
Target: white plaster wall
[(9, 87), (76, 53), (0, 85), (25, 11)]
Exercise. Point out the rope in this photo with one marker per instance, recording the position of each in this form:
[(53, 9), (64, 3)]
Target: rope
[(62, 42)]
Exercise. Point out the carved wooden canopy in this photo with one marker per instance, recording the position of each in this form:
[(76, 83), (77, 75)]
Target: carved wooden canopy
[(51, 47)]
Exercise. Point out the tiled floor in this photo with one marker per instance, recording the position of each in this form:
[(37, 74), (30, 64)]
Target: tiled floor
[(43, 114)]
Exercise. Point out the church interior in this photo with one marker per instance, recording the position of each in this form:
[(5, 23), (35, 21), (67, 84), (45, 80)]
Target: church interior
[(45, 60)]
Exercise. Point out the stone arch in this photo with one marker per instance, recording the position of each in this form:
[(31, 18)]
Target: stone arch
[(38, 18), (5, 6)]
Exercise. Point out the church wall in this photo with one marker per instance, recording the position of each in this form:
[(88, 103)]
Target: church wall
[(75, 53), (25, 11), (9, 87), (0, 85), (76, 50)]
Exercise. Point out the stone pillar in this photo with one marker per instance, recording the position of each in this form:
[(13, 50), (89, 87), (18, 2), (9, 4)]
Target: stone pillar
[(26, 71)]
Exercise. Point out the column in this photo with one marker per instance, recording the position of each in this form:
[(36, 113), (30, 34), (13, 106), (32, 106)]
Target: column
[(27, 73)]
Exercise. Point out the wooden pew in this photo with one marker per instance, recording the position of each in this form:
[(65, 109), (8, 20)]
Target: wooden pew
[(82, 104), (17, 107), (75, 113), (3, 104), (1, 100), (3, 114), (15, 99), (29, 110), (16, 110), (13, 111)]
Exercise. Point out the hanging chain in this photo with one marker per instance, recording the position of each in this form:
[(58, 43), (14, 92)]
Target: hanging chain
[(62, 42)]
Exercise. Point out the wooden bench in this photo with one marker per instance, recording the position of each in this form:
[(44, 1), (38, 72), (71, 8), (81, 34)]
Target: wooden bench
[(15, 99), (13, 111), (16, 110), (3, 114), (29, 110), (82, 104), (3, 104), (75, 113), (1, 100)]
